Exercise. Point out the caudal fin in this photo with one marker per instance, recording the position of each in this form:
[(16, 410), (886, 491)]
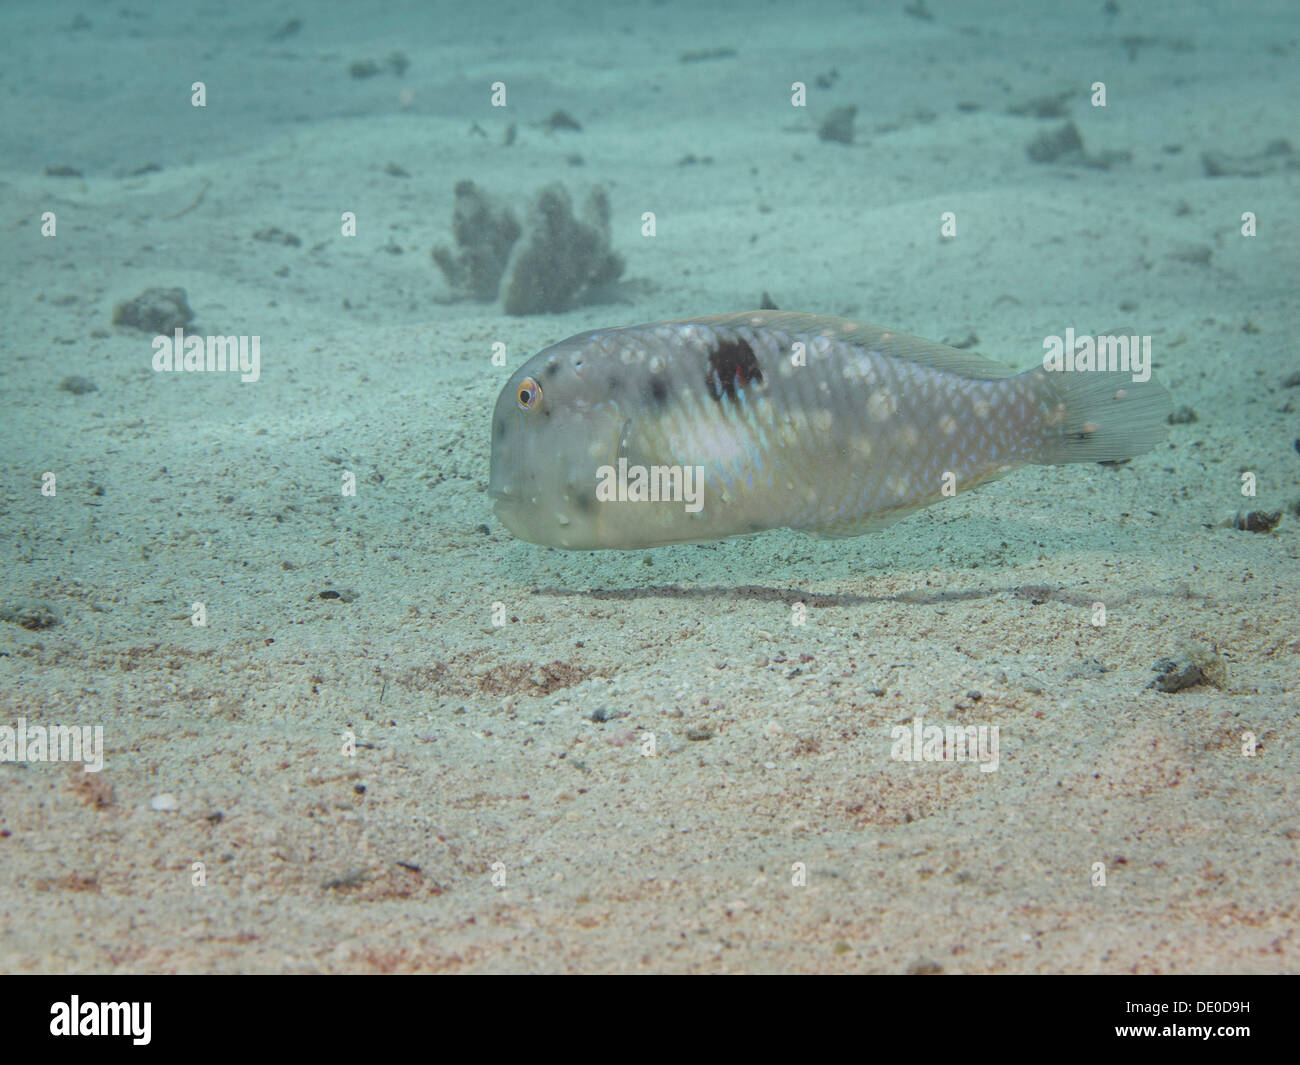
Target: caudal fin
[(1108, 417)]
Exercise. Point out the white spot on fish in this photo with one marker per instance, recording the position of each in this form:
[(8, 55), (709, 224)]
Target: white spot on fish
[(881, 406), (859, 368)]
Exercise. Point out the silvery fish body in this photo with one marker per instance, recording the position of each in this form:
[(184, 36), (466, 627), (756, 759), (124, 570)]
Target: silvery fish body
[(710, 427)]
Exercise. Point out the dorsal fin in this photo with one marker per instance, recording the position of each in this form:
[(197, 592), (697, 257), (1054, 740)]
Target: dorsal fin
[(889, 342)]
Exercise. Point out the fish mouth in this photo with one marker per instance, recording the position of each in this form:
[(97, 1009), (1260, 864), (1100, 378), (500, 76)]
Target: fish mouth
[(508, 511), (505, 506), (502, 482)]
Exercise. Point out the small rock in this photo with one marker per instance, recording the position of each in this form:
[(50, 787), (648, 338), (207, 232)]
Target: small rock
[(1195, 254), (276, 235), (563, 120), (1050, 106), (703, 55), (155, 310), (1175, 676), (29, 614), (165, 801), (287, 30), (1194, 664), (838, 125), (1063, 144), (78, 385), (1276, 155), (1257, 521)]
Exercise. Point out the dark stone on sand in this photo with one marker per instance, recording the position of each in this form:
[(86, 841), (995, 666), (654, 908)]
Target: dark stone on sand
[(1277, 155), (563, 120), (1193, 254), (1257, 521), (1063, 144), (78, 385), (276, 235), (155, 310), (1050, 106), (703, 55), (1177, 674), (29, 614), (838, 125)]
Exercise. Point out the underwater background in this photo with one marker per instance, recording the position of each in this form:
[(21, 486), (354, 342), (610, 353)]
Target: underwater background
[(395, 738)]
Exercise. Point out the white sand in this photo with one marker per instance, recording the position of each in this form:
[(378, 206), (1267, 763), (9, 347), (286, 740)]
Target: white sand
[(476, 744)]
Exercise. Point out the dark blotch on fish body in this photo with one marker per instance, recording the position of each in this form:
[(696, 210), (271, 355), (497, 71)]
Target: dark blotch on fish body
[(732, 365)]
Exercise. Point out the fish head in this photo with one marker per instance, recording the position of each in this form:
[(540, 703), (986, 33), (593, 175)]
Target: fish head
[(554, 426)]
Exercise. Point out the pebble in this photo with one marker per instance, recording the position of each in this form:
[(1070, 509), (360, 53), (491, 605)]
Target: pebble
[(165, 801)]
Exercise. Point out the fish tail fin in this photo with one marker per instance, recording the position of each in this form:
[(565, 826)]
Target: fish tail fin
[(1106, 419)]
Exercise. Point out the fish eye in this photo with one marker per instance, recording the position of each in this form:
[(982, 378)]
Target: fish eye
[(529, 393)]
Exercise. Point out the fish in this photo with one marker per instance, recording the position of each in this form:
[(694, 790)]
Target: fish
[(729, 425)]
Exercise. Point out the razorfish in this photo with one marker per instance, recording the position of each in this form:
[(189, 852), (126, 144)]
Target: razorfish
[(728, 425)]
